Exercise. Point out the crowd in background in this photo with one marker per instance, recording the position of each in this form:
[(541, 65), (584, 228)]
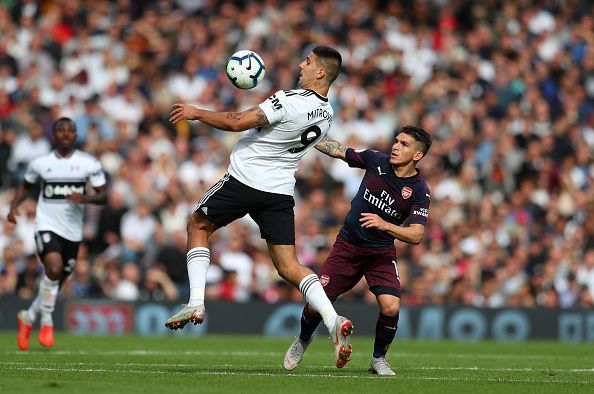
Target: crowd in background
[(506, 88)]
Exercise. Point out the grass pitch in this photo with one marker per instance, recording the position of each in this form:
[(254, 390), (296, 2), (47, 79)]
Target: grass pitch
[(253, 364)]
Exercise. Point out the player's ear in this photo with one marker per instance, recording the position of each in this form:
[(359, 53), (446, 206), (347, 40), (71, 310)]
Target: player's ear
[(321, 73), (418, 155)]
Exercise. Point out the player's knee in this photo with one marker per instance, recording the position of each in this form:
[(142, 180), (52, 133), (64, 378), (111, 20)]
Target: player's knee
[(199, 223), (390, 308), (284, 271), (53, 264), (53, 271), (289, 271)]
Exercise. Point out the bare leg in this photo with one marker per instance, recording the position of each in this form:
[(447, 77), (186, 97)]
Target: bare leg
[(198, 256), (199, 229), (285, 260), (49, 286), (339, 327)]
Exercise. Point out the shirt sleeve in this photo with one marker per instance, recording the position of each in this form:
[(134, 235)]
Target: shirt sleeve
[(97, 176), (32, 173), (275, 107), (419, 213), (358, 158)]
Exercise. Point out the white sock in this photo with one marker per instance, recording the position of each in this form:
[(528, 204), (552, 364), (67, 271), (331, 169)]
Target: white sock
[(314, 294), (48, 291), (198, 260), (35, 306)]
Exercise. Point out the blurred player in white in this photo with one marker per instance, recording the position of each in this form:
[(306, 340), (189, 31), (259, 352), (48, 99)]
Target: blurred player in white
[(261, 181), (63, 174)]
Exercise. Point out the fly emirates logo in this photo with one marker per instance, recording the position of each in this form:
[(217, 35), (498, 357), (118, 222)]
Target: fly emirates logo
[(383, 203)]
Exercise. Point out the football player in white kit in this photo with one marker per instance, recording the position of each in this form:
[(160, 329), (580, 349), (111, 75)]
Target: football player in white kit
[(63, 174), (261, 181)]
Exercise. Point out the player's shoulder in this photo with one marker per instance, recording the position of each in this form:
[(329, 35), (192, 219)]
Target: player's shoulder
[(80, 155), (84, 155), (43, 159), (368, 158), (421, 183), (303, 94), (375, 156)]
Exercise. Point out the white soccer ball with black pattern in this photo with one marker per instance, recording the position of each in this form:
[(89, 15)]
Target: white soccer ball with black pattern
[(245, 69)]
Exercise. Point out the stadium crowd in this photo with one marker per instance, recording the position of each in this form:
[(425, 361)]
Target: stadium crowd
[(505, 88)]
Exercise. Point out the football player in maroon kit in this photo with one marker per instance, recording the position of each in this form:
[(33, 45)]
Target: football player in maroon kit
[(392, 192)]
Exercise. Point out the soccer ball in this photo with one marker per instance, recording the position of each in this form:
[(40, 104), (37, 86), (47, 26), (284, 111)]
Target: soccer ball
[(245, 69)]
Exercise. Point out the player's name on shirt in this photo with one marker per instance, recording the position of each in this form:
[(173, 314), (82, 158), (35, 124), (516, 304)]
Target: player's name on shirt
[(320, 113)]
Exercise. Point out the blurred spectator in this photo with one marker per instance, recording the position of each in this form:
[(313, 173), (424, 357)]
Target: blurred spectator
[(26, 148), (127, 288), (137, 229), (568, 297), (29, 277), (157, 286), (237, 266), (82, 283), (110, 223), (172, 259), (9, 273)]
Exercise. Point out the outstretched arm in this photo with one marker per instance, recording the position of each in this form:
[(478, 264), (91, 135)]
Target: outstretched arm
[(332, 148), (19, 196), (229, 121)]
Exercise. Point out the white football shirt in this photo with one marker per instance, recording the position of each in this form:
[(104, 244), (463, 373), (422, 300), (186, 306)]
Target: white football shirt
[(60, 177), (268, 157)]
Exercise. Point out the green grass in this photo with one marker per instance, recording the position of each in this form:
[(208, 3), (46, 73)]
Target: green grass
[(240, 364)]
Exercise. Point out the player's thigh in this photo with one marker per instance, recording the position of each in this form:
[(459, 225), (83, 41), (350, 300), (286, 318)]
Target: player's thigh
[(341, 271), (275, 217), (381, 273), (69, 256), (224, 202), (48, 243), (55, 251)]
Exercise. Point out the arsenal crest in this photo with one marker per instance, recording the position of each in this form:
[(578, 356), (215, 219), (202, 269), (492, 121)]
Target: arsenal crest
[(406, 192), (324, 279)]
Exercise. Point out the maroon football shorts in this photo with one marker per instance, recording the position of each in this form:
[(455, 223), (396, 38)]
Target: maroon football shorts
[(348, 263)]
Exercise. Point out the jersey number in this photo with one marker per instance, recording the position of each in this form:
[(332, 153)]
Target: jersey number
[(307, 138)]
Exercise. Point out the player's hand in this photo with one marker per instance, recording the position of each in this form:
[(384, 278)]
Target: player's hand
[(181, 112), (12, 215), (371, 220), (77, 198)]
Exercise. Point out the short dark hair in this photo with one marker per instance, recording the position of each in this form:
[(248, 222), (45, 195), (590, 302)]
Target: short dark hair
[(61, 120), (422, 138), (330, 59)]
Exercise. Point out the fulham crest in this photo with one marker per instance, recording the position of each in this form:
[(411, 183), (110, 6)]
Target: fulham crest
[(406, 192)]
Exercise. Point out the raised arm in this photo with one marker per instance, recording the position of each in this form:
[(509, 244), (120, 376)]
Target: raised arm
[(229, 121), (332, 148)]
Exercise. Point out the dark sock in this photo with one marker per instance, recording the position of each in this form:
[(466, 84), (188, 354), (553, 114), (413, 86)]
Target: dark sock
[(385, 330), (309, 323)]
